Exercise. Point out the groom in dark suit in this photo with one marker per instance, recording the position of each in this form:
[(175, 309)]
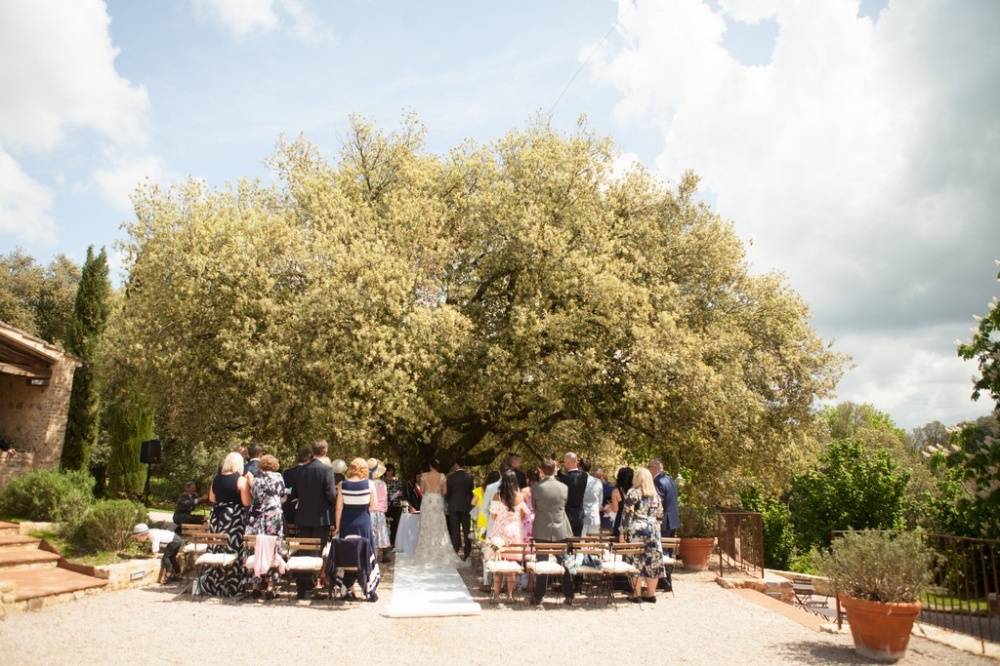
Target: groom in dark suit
[(459, 486)]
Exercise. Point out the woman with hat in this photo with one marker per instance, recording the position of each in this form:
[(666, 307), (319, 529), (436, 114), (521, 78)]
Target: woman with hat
[(380, 528)]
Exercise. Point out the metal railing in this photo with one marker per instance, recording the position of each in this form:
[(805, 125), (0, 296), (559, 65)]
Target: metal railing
[(964, 596), (741, 540)]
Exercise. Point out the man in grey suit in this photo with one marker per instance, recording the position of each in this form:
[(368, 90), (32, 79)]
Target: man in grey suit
[(459, 485), (551, 525)]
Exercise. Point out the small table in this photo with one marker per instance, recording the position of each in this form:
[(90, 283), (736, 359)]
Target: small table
[(406, 535)]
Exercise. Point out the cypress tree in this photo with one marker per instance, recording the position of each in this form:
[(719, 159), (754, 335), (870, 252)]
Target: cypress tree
[(90, 316)]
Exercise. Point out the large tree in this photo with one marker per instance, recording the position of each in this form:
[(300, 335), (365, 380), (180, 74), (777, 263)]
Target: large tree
[(90, 316), (518, 295)]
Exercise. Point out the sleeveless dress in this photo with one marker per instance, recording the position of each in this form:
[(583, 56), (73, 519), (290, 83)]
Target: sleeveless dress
[(266, 516), (355, 519), (434, 549), (229, 516)]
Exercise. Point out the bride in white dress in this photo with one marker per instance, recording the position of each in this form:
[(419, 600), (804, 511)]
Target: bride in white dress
[(434, 549)]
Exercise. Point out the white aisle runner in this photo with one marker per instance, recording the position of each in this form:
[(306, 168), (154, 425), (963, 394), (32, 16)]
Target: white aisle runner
[(419, 592)]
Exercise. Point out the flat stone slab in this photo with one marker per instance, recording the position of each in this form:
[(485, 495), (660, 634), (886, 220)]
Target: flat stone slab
[(26, 557), (18, 541), (35, 583), (4, 526)]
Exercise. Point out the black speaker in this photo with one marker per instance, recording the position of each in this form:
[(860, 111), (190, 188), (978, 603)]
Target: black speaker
[(150, 452)]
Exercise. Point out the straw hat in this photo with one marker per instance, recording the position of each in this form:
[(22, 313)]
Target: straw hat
[(377, 468)]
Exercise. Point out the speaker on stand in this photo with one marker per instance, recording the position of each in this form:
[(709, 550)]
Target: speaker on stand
[(151, 454)]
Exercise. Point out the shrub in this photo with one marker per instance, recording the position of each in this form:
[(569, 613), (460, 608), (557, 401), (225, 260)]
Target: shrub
[(48, 495), (106, 526), (878, 566), (697, 521), (779, 538)]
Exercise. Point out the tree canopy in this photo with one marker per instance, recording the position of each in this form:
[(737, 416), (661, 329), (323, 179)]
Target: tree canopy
[(520, 295)]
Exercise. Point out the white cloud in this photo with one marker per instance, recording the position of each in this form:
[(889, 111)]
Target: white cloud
[(246, 18), (861, 159), (117, 183), (24, 204), (64, 76)]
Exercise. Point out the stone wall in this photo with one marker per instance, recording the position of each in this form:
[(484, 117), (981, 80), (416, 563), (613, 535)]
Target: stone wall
[(33, 419)]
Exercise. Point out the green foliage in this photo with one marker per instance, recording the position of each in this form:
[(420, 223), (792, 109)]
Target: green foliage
[(514, 296), (20, 281), (804, 562), (36, 300), (128, 421), (90, 316), (967, 502), (779, 537), (879, 566), (107, 525), (851, 487), (47, 496), (697, 521)]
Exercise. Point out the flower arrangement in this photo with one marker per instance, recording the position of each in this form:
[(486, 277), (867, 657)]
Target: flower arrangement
[(493, 547)]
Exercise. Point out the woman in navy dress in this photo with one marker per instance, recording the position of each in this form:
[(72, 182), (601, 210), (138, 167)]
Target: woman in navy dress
[(230, 495), (355, 502)]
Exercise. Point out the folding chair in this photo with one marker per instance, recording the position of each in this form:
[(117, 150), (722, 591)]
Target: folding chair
[(250, 543), (589, 556), (804, 590), (213, 556), (619, 564), (191, 548), (508, 561), (552, 565), (303, 557), (669, 545)]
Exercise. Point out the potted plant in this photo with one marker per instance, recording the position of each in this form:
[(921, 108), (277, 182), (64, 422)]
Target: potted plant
[(879, 578), (697, 534)]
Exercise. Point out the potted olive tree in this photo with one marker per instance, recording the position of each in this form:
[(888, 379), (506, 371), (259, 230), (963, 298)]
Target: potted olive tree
[(880, 578), (697, 534)]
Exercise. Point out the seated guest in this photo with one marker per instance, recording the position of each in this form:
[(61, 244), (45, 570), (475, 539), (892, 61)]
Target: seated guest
[(185, 507)]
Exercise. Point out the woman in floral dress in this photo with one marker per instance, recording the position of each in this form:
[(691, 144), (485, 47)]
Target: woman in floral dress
[(508, 510), (641, 524), (266, 518), (380, 526)]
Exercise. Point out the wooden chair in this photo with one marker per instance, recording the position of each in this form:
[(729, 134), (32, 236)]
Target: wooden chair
[(590, 556), (207, 542), (670, 546), (803, 591), (250, 543), (303, 556), (191, 548), (620, 565), (552, 565), (509, 560)]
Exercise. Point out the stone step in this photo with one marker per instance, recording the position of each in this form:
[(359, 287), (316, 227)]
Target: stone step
[(17, 542), (9, 528), (30, 584), (25, 558)]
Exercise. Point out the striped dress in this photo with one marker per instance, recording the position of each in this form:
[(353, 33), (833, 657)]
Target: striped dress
[(355, 519)]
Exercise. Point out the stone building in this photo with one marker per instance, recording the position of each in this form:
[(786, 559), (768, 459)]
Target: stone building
[(36, 379)]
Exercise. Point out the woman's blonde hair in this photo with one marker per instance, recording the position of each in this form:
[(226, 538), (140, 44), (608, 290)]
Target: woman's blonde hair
[(644, 479), (233, 463), (358, 469)]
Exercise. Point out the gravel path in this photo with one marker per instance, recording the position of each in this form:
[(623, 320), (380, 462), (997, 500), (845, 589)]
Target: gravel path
[(703, 624)]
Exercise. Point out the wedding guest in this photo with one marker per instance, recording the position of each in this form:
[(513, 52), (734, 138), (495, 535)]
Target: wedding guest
[(394, 490), (266, 518), (171, 544), (252, 466), (230, 496), (641, 524), (412, 492), (291, 476), (508, 511), (185, 506), (527, 525), (355, 502), (551, 525), (315, 492), (623, 483), (380, 527), (575, 480)]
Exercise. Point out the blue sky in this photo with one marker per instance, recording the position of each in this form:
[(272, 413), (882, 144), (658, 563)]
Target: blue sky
[(855, 143)]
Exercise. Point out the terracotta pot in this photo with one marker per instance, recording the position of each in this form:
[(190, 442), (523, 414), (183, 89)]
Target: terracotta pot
[(880, 630), (695, 552)]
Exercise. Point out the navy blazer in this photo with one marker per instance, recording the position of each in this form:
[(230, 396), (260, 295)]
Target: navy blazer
[(667, 490)]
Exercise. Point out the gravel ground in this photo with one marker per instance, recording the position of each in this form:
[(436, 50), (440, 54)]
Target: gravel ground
[(702, 624)]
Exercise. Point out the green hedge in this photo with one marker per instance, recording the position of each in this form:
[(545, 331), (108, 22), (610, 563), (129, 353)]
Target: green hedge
[(106, 526), (48, 495)]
